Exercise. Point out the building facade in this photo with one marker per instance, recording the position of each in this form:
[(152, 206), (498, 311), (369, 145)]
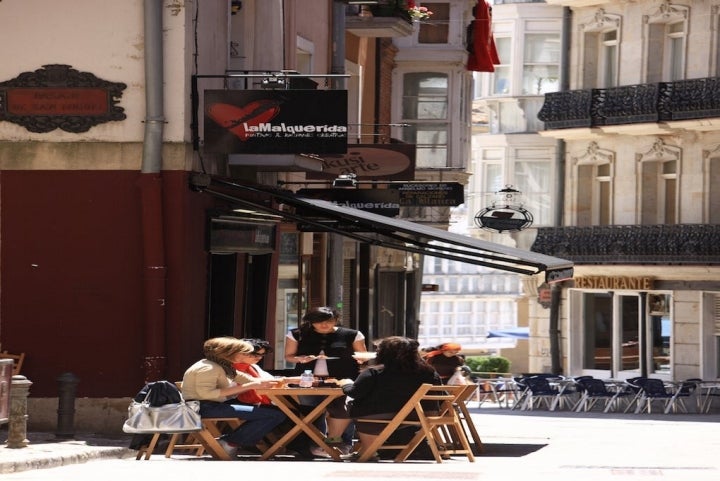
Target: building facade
[(638, 126)]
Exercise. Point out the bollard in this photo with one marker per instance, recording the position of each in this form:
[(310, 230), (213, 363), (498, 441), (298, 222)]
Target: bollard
[(17, 419), (67, 384)]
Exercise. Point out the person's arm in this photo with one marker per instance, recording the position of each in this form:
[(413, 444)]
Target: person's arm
[(359, 388), (291, 347), (359, 346), (245, 382)]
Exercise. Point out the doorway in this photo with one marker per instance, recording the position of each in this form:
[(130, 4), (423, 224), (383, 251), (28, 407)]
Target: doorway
[(622, 334)]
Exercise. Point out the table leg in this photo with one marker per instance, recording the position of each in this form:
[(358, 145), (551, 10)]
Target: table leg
[(301, 424)]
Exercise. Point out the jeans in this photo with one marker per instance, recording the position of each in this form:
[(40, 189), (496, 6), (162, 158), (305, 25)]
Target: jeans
[(259, 420)]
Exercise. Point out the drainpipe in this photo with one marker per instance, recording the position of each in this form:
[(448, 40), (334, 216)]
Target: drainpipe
[(554, 328), (150, 184), (335, 241)]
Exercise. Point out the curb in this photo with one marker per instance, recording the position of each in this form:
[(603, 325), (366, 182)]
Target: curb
[(48, 453)]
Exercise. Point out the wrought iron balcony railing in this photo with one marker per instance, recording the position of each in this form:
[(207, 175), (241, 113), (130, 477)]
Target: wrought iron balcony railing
[(654, 102), (683, 244)]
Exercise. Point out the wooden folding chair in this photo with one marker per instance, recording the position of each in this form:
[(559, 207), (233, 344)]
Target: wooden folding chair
[(197, 441), (18, 360), (465, 418), (428, 423), (191, 441)]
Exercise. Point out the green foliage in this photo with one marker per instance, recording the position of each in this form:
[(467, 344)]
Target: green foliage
[(488, 363)]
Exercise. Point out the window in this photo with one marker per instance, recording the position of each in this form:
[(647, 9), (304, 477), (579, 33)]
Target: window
[(712, 186), (600, 50), (666, 34), (658, 180), (532, 178), (593, 191), (541, 63), (425, 109), (502, 75), (437, 28)]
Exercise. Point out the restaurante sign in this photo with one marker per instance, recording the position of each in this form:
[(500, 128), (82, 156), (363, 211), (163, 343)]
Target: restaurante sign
[(614, 282)]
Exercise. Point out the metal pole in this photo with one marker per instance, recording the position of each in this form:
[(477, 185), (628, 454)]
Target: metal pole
[(335, 241), (67, 387)]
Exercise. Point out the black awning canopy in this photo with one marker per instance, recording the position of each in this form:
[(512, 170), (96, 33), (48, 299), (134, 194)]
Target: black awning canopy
[(394, 233)]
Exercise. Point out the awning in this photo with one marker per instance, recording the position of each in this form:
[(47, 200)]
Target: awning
[(320, 215), (515, 333)]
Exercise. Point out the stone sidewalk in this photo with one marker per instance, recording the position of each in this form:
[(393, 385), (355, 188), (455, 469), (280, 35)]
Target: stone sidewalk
[(45, 450), (500, 429)]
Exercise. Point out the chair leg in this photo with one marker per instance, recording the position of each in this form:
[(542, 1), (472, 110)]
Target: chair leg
[(148, 450)]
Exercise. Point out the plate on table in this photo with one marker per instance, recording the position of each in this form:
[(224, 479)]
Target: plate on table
[(364, 355)]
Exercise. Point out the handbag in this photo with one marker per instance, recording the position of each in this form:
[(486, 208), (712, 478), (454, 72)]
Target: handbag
[(179, 417)]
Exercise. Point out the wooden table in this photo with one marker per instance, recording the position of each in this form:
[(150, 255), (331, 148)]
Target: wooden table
[(285, 398)]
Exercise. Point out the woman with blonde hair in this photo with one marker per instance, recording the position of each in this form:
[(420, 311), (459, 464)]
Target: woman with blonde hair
[(216, 384)]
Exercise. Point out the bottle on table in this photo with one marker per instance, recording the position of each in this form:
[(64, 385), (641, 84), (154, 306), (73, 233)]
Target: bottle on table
[(306, 378)]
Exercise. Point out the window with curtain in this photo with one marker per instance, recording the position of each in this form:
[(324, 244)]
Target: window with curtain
[(532, 178), (541, 63), (503, 73), (425, 110)]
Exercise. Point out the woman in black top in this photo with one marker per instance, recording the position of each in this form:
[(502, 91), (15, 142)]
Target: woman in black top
[(327, 349), (382, 390)]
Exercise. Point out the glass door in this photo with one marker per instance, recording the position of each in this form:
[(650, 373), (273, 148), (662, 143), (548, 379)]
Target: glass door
[(626, 352), (597, 336)]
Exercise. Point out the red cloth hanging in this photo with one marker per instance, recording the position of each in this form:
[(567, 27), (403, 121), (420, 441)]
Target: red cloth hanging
[(482, 54)]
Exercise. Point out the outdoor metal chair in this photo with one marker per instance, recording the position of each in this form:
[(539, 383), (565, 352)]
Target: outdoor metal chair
[(683, 390), (594, 391), (540, 391), (652, 391)]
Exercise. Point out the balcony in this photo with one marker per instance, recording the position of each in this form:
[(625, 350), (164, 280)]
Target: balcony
[(374, 21), (679, 244), (690, 104)]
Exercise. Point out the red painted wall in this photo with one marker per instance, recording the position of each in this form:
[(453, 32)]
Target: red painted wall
[(71, 290)]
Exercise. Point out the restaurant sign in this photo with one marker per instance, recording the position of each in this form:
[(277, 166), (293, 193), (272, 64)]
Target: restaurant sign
[(60, 97), (370, 162), (378, 201), (429, 194), (275, 121)]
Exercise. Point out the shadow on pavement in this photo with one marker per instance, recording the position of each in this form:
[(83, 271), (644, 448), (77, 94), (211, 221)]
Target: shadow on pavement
[(498, 450)]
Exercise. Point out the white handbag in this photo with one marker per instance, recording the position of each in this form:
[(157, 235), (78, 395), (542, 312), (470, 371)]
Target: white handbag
[(179, 417)]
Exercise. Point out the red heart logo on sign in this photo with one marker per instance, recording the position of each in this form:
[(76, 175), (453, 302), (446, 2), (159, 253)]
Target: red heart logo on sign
[(238, 119)]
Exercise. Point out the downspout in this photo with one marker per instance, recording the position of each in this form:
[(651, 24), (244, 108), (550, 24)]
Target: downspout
[(335, 241), (150, 184), (555, 289)]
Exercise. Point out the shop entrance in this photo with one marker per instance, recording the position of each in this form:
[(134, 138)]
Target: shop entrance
[(622, 334)]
